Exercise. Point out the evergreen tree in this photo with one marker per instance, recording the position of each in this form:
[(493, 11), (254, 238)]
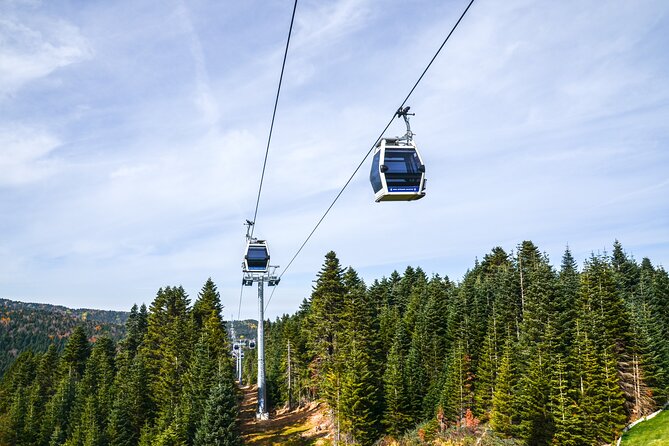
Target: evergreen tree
[(537, 338), (360, 408), (94, 396), (567, 302), (41, 391), (218, 426), (14, 399), (167, 349), (56, 422), (131, 408), (13, 429), (659, 330), (488, 365), (458, 396), (567, 418), (536, 426), (609, 325), (397, 416), (503, 405), (207, 317), (136, 327), (200, 379), (76, 352), (325, 320)]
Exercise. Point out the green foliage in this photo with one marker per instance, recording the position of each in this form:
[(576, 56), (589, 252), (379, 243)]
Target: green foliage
[(651, 432), (360, 401), (30, 326), (150, 389), (397, 416), (552, 357), (218, 426), (76, 352), (502, 415), (549, 357)]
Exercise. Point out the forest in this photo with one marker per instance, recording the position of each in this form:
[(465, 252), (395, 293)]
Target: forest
[(168, 382), (33, 326), (540, 355)]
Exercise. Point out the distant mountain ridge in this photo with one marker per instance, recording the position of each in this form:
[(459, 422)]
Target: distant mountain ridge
[(243, 329), (35, 326)]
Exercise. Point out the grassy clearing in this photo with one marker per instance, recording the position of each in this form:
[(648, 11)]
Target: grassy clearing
[(654, 432)]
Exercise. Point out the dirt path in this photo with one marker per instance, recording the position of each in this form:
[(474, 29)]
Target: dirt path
[(300, 427)]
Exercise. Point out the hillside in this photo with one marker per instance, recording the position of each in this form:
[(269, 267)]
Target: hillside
[(653, 432), (245, 329), (35, 326)]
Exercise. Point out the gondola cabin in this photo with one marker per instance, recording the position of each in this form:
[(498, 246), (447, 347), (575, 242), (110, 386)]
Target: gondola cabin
[(398, 172), (256, 259)]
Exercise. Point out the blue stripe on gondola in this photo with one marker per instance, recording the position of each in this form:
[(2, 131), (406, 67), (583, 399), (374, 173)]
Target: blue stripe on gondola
[(403, 189)]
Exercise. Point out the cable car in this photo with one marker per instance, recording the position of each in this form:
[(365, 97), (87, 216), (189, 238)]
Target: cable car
[(398, 171), (256, 259)]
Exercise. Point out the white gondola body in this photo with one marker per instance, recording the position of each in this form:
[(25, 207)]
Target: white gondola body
[(398, 172), (256, 257)]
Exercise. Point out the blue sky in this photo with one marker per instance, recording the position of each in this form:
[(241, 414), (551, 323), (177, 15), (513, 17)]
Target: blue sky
[(132, 136)]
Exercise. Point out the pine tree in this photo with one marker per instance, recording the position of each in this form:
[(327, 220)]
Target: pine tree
[(56, 422), (218, 426), (13, 430), (325, 320), (360, 408), (564, 408), (41, 391), (536, 426), (503, 405), (536, 341), (76, 352), (659, 308), (200, 379), (457, 396), (131, 408), (136, 327), (167, 349), (207, 316), (94, 396), (567, 299), (434, 341), (397, 416), (488, 365), (609, 325)]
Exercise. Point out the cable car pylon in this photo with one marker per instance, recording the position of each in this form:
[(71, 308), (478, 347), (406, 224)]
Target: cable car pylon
[(256, 269)]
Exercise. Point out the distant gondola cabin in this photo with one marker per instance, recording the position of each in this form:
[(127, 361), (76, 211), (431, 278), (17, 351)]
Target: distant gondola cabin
[(256, 259)]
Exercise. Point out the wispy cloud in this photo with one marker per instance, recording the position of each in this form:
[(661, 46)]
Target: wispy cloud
[(205, 99), (32, 48), (135, 132), (24, 155)]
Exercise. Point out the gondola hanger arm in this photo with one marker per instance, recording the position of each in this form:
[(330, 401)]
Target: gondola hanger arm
[(404, 113)]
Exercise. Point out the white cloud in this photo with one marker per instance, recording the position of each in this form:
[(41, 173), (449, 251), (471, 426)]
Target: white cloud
[(24, 155), (35, 46), (532, 126)]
